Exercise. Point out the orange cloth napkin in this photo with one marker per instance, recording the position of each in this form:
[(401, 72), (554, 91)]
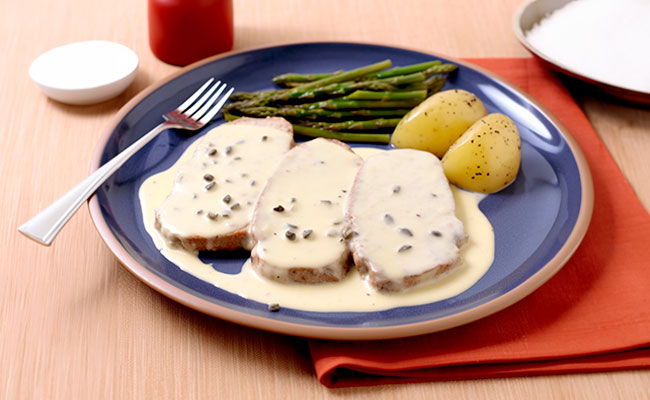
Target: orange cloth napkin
[(593, 315)]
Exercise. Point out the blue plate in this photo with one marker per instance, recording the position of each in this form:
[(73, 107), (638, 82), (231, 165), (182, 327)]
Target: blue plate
[(538, 221)]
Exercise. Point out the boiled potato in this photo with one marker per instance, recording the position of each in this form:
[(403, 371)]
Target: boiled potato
[(486, 157), (438, 121)]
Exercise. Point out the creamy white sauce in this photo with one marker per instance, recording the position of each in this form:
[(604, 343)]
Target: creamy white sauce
[(215, 190), (403, 213), (299, 219), (350, 294)]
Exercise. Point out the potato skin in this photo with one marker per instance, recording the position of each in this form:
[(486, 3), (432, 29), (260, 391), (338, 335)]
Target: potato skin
[(486, 157), (438, 121)]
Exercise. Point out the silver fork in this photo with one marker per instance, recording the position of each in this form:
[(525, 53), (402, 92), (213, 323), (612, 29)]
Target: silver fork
[(193, 114)]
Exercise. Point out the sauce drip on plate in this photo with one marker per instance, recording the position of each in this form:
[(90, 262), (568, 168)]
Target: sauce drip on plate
[(351, 294)]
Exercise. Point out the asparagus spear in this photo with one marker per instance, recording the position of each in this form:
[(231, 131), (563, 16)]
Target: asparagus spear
[(296, 84), (386, 83), (415, 95), (343, 136), (405, 70), (317, 132), (414, 86), (262, 98), (367, 125), (409, 74), (336, 89), (327, 85), (435, 83), (247, 96), (290, 78), (368, 98), (347, 75), (440, 69), (293, 79), (330, 104), (296, 112), (259, 99), (404, 79), (292, 84), (420, 76), (338, 104)]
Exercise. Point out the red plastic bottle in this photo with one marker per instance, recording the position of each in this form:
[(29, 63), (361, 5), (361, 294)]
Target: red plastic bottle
[(184, 31)]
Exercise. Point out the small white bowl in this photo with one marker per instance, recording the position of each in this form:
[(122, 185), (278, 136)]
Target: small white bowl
[(85, 72)]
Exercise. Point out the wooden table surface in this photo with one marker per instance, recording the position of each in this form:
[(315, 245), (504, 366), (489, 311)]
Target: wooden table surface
[(75, 324)]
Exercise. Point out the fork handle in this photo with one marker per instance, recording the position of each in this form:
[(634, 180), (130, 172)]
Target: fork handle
[(44, 226)]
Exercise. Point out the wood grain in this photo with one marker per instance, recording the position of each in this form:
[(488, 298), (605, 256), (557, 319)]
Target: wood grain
[(75, 324)]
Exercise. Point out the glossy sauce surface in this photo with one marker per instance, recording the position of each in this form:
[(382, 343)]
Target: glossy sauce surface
[(352, 293), (299, 217), (403, 216), (215, 190)]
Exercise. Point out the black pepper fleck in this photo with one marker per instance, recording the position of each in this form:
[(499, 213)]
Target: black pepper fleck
[(405, 231), (436, 233), (212, 152), (226, 199), (275, 307), (306, 233), (278, 208), (388, 219), (404, 248), (208, 177), (290, 235), (209, 185)]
